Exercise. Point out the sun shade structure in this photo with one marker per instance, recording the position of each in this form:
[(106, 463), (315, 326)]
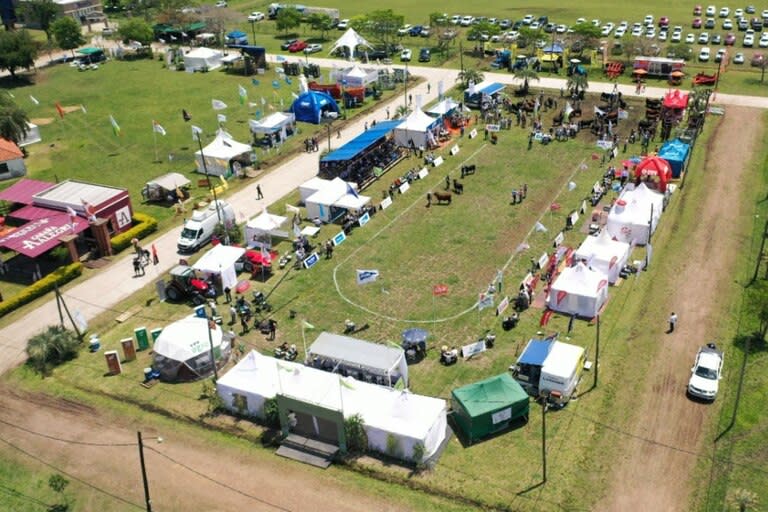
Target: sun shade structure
[(350, 40), (313, 106), (675, 152), (183, 351), (488, 406), (274, 123), (222, 154), (416, 130), (362, 142), (202, 59)]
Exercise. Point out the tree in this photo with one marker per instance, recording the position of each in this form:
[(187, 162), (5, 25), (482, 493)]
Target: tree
[(42, 12), (67, 33), (287, 19), (381, 26), (50, 348), (136, 29), (17, 50), (483, 27), (402, 112), (757, 305), (354, 430), (58, 484), (320, 22), (526, 75), (528, 36), (679, 51), (584, 35), (744, 499), (577, 83), (13, 120), (469, 75)]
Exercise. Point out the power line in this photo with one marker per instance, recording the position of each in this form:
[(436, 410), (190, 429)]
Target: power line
[(68, 441), (83, 482), (21, 496)]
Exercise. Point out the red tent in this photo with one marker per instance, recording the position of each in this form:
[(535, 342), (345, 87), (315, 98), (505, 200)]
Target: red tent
[(675, 99), (655, 166)]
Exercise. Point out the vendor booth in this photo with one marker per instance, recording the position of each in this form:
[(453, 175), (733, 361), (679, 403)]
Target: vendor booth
[(260, 230), (655, 170), (332, 201), (276, 127), (675, 152), (478, 95), (401, 424), (169, 187), (314, 106), (363, 360), (489, 406), (355, 76), (224, 156), (202, 59), (635, 214), (603, 253), (579, 290), (311, 186), (219, 263), (417, 131), (182, 352), (11, 160), (443, 108)]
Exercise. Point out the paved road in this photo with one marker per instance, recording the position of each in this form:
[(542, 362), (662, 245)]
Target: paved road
[(110, 286)]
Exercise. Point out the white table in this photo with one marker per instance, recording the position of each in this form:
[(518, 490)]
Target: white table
[(310, 231)]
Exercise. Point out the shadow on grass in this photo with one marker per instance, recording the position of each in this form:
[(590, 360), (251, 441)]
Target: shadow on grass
[(9, 83)]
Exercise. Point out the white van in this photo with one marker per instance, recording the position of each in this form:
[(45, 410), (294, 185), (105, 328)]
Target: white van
[(199, 228)]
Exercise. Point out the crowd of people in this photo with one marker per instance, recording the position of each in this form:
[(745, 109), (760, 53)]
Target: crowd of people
[(362, 168)]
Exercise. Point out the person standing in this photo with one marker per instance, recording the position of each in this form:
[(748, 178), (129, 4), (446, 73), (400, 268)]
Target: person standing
[(514, 196), (525, 190), (429, 199), (672, 322), (272, 329), (232, 314), (387, 112), (259, 195), (429, 87), (447, 182), (136, 267), (227, 294)]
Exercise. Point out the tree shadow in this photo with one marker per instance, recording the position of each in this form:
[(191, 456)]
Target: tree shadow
[(8, 82)]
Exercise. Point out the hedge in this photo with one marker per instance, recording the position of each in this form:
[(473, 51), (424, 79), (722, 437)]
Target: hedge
[(59, 276), (143, 226)]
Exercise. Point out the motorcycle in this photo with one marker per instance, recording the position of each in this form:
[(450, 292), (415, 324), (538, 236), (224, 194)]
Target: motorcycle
[(289, 353), (489, 339)]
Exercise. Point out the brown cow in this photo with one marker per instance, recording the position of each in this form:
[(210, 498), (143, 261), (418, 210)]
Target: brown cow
[(443, 197)]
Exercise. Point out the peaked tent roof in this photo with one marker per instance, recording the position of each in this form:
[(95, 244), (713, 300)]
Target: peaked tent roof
[(443, 107), (581, 280), (224, 146), (350, 39), (417, 121), (490, 394), (272, 122), (362, 142)]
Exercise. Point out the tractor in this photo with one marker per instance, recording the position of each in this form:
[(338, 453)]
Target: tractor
[(184, 284)]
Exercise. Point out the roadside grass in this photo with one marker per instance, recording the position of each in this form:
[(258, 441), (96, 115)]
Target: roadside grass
[(462, 245)]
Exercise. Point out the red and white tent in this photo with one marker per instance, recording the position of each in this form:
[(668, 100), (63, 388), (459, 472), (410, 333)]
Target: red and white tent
[(603, 253), (580, 291)]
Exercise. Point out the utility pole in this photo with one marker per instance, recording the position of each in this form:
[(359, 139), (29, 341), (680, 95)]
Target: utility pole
[(544, 438), (147, 499), (597, 350), (212, 325)]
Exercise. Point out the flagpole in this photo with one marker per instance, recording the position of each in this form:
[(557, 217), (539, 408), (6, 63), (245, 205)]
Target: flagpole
[(154, 138)]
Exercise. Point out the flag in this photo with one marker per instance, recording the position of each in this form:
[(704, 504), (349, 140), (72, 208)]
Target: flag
[(196, 132), (34, 100), (59, 110), (440, 289), (351, 190), (72, 217), (173, 38), (221, 118), (568, 110), (82, 107), (218, 105), (540, 227), (90, 211), (115, 126), (307, 325), (162, 40), (255, 82), (242, 93), (571, 186), (344, 381), (157, 128), (367, 276), (184, 34), (185, 115)]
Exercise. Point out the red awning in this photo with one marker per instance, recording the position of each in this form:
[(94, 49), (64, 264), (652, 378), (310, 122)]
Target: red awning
[(676, 99), (31, 212), (23, 190), (41, 235)]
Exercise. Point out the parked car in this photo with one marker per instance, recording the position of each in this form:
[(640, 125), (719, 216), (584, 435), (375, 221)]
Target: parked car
[(727, 24), (676, 37), (424, 31), (696, 23), (561, 29), (405, 55), (313, 48), (724, 12), (756, 23), (750, 9), (706, 373), (690, 38), (757, 60), (287, 44), (663, 21), (763, 43), (704, 38), (749, 41), (720, 55), (466, 21), (738, 13), (256, 16), (697, 10), (743, 24), (648, 20), (297, 46), (528, 19), (343, 24), (404, 29), (221, 3), (738, 58), (710, 23), (637, 31), (716, 39), (730, 39), (505, 24), (704, 54), (425, 55), (455, 19), (710, 10)]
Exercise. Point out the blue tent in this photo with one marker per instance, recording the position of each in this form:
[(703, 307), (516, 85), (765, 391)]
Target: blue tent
[(237, 37), (310, 106), (362, 142), (676, 153), (536, 352)]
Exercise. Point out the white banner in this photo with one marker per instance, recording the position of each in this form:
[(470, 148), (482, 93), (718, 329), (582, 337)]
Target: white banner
[(455, 150), (502, 415), (367, 276), (559, 239), (473, 348), (493, 127), (386, 203), (473, 133), (437, 162), (423, 173), (405, 187), (543, 260)]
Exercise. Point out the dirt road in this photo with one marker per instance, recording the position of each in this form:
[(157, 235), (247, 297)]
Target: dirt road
[(657, 476), (264, 481)]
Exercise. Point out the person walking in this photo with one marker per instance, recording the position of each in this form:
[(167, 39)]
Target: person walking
[(429, 87), (447, 182), (272, 329), (514, 196), (387, 112), (259, 195), (672, 322), (429, 199), (227, 294), (136, 267), (232, 314)]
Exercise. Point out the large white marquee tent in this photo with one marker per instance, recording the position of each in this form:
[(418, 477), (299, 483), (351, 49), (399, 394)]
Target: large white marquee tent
[(603, 253), (182, 352), (635, 214), (579, 290), (417, 128), (331, 198), (202, 58)]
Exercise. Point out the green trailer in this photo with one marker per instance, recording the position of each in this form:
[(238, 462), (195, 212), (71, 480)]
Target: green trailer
[(491, 405)]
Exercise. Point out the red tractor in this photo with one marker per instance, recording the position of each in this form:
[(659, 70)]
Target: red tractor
[(258, 263), (184, 284)]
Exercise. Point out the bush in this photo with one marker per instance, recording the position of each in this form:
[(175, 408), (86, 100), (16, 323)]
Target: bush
[(51, 348), (271, 413), (143, 226), (354, 430), (58, 277)]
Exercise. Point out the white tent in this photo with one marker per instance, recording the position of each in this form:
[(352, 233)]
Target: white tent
[(444, 107), (579, 290), (182, 352), (322, 204), (355, 76), (33, 135), (352, 202), (311, 186), (221, 261), (202, 58), (603, 253), (220, 153), (260, 230), (635, 214), (273, 123), (416, 127), (350, 40), (387, 414)]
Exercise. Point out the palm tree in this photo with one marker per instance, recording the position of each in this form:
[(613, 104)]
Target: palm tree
[(577, 83), (402, 111), (13, 120), (744, 499), (526, 75), (469, 75), (52, 347)]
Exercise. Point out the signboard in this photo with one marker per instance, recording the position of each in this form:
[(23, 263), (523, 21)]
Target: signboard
[(437, 162), (440, 289), (484, 300), (386, 203), (405, 187), (364, 218), (423, 173), (493, 127), (123, 216), (472, 349), (455, 150), (473, 133), (339, 238), (583, 208), (503, 415), (559, 239), (543, 260), (574, 217), (605, 144), (311, 260), (503, 305)]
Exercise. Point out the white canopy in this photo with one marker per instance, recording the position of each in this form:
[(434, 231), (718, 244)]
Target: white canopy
[(350, 40), (635, 214), (352, 202), (579, 290), (321, 204), (311, 186), (221, 260), (202, 58), (356, 76), (272, 123), (414, 128), (444, 107), (604, 254), (387, 413), (183, 349), (170, 181), (260, 230), (219, 153)]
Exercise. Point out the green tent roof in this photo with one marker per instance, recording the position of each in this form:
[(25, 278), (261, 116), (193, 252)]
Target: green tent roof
[(89, 51), (490, 395), (198, 25)]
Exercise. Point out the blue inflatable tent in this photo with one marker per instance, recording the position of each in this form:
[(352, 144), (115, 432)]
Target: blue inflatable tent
[(311, 106)]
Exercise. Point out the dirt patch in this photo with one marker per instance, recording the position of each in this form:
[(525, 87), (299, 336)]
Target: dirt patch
[(42, 121), (652, 473), (181, 470)]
